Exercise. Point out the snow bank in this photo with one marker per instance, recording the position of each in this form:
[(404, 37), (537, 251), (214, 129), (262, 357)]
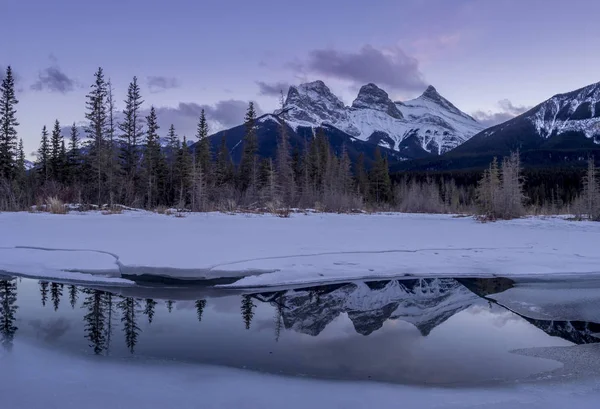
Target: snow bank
[(301, 249), (34, 378)]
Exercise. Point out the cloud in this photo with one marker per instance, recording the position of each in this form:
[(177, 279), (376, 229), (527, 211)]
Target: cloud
[(507, 112), (221, 115), (390, 67), (159, 83), (54, 80), (272, 89)]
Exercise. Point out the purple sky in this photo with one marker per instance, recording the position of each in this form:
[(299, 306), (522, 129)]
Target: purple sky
[(496, 57)]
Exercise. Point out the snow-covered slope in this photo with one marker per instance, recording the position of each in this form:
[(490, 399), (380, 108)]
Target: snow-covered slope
[(568, 122), (429, 123), (577, 111)]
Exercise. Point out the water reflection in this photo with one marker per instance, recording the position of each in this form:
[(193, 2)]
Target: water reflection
[(8, 311), (386, 314)]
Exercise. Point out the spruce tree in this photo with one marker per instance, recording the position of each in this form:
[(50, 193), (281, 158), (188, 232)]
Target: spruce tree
[(44, 156), (152, 158), (381, 184), (132, 131), (21, 168), (285, 171), (183, 174), (96, 129), (44, 292), (248, 173), (112, 165), (8, 125), (224, 164), (173, 146), (362, 179), (55, 143), (74, 160), (203, 156)]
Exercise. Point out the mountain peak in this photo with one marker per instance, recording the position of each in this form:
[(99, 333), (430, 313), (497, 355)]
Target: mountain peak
[(431, 93), (371, 96)]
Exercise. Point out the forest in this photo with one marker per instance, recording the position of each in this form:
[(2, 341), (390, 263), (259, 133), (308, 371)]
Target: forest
[(125, 163)]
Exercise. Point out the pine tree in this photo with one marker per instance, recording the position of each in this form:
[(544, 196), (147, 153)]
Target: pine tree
[(173, 147), (74, 160), (8, 125), (152, 158), (183, 173), (55, 165), (285, 171), (97, 116), (112, 164), (169, 306), (362, 179), (21, 168), (132, 131), (381, 184), (63, 160), (203, 155), (44, 156), (248, 174), (224, 164), (591, 192)]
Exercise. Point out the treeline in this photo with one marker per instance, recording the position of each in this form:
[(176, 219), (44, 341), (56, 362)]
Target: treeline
[(125, 162), (121, 160)]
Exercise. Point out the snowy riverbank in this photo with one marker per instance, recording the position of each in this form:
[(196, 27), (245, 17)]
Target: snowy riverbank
[(299, 249)]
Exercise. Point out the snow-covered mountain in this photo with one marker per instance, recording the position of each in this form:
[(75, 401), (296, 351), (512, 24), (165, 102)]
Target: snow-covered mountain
[(569, 121), (425, 303), (429, 124)]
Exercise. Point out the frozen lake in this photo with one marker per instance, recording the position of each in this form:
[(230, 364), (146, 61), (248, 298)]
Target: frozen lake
[(458, 332)]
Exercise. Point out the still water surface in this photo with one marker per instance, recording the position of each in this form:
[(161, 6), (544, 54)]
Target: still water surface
[(419, 331)]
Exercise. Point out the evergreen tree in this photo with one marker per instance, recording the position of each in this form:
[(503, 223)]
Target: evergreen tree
[(224, 165), (203, 156), (173, 147), (362, 179), (150, 309), (285, 171), (591, 192), (109, 308), (74, 159), (96, 130), (44, 156), (248, 174), (73, 296), (129, 309), (381, 184), (200, 305), (56, 291), (8, 311), (8, 125), (21, 168), (95, 320), (183, 173), (55, 157), (169, 306), (132, 131), (278, 319), (44, 292), (247, 310), (113, 168), (63, 160), (152, 158)]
